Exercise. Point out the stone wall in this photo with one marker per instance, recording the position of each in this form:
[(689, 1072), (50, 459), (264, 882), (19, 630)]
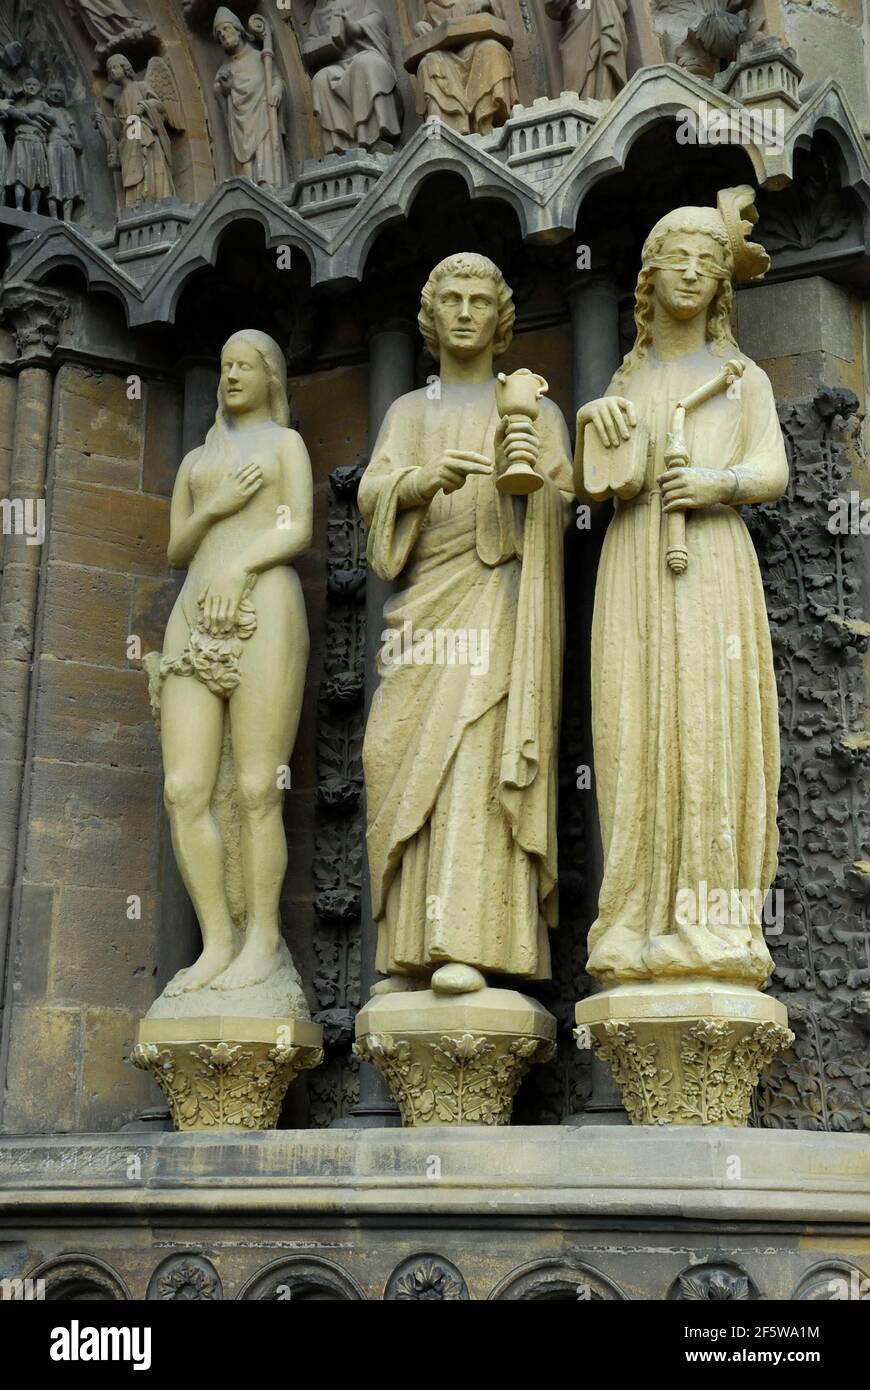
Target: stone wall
[(84, 962), (92, 830)]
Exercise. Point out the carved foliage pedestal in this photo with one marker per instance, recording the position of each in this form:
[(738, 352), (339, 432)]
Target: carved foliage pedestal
[(685, 1052), (454, 1059), (226, 1073)]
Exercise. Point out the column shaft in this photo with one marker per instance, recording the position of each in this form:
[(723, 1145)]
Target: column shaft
[(595, 326), (391, 374), (18, 623)]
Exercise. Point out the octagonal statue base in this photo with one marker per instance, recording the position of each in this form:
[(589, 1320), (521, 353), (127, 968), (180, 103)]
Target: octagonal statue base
[(454, 1059), (226, 1073), (685, 1052)]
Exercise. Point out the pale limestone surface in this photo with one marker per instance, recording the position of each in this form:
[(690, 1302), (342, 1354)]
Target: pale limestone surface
[(460, 757), (684, 703), (228, 686), (461, 746)]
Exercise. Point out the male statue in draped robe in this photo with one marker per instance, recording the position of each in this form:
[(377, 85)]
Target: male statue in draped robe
[(252, 95), (471, 88), (355, 89), (593, 46), (461, 744), (144, 157)]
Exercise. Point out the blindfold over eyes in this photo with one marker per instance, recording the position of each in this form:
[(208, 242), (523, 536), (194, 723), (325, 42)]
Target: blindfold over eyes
[(705, 265)]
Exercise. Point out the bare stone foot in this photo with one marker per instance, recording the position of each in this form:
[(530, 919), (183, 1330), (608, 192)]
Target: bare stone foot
[(399, 984), (211, 963), (254, 964), (455, 978)]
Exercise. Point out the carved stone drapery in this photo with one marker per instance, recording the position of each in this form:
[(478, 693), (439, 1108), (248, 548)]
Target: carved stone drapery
[(112, 26)]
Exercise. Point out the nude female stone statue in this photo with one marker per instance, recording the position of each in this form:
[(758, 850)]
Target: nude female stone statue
[(230, 680)]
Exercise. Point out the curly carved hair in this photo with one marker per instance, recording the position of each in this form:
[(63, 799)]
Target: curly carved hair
[(719, 333), (468, 263)]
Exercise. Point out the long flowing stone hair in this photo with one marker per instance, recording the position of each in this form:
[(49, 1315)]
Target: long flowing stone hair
[(481, 267), (217, 447), (719, 334)]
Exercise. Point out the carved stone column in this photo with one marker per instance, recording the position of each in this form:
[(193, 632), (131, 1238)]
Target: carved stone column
[(594, 304), (34, 318), (391, 374)]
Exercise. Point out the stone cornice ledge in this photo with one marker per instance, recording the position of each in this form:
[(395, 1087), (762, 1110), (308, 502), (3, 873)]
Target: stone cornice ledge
[(785, 1177)]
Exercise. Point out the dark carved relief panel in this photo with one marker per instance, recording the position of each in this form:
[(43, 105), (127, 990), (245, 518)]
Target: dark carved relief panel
[(561, 1088), (812, 580), (426, 1279), (815, 219), (333, 1087)]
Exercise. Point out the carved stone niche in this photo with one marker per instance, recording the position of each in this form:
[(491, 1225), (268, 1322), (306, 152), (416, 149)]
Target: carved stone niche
[(814, 219), (556, 1281), (200, 13), (77, 1278), (303, 1278), (185, 1278), (426, 1279), (834, 1280), (712, 1282)]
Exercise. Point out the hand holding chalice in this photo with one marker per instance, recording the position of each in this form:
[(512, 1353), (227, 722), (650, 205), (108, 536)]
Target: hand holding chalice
[(518, 400)]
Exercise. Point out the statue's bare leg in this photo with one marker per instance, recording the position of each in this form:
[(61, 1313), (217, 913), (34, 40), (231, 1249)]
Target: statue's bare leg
[(191, 720), (264, 717)]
